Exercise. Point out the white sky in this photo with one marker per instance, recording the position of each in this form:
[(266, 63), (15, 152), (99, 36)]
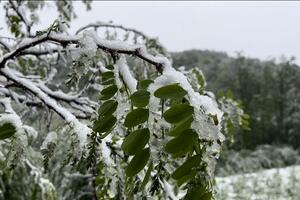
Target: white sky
[(259, 29)]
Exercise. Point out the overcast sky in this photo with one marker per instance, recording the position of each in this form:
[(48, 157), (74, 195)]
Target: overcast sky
[(259, 29)]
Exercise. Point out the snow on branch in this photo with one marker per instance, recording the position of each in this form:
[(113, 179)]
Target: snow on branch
[(79, 128), (111, 46), (124, 71)]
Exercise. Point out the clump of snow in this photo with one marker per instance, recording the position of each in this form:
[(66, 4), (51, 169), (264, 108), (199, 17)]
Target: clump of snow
[(88, 45), (105, 151), (51, 137), (123, 68)]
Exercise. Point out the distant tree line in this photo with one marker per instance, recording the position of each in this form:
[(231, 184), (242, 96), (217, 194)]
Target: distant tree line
[(269, 91)]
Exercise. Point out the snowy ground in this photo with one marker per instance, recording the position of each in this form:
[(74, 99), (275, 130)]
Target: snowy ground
[(272, 184)]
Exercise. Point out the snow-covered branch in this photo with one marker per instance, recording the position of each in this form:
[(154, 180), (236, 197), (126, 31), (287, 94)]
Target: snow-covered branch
[(81, 129), (110, 46)]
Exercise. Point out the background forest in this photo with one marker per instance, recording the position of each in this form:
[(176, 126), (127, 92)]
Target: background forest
[(270, 94)]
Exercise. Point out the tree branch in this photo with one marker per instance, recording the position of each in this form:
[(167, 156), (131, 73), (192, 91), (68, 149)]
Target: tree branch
[(110, 25), (110, 46), (79, 128)]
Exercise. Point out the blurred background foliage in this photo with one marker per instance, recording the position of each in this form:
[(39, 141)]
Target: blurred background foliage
[(270, 94)]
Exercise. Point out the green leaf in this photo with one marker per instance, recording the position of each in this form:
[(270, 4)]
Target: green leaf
[(170, 92), (108, 108), (104, 124), (7, 130), (178, 113), (136, 141), (182, 144), (198, 193), (140, 98), (137, 163), (181, 126), (110, 67), (187, 167), (136, 117), (186, 178), (107, 75), (108, 92), (144, 84), (147, 177)]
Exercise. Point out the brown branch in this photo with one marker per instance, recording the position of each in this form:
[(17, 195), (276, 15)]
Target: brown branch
[(109, 25)]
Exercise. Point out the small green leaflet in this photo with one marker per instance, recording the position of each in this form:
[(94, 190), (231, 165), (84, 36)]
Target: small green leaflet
[(136, 117), (144, 84), (198, 193), (7, 130), (108, 92), (182, 144), (104, 124), (136, 141), (187, 167), (186, 178), (110, 67), (107, 75), (181, 126), (137, 163), (140, 98), (178, 113), (108, 108), (170, 92)]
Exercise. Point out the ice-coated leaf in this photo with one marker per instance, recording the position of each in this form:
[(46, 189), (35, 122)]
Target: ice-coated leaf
[(138, 162), (144, 84), (181, 126), (136, 141), (136, 117), (187, 167), (108, 92), (110, 67), (104, 124), (140, 98), (107, 75), (108, 108), (170, 92), (7, 130), (186, 178), (198, 193), (182, 144), (178, 113)]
